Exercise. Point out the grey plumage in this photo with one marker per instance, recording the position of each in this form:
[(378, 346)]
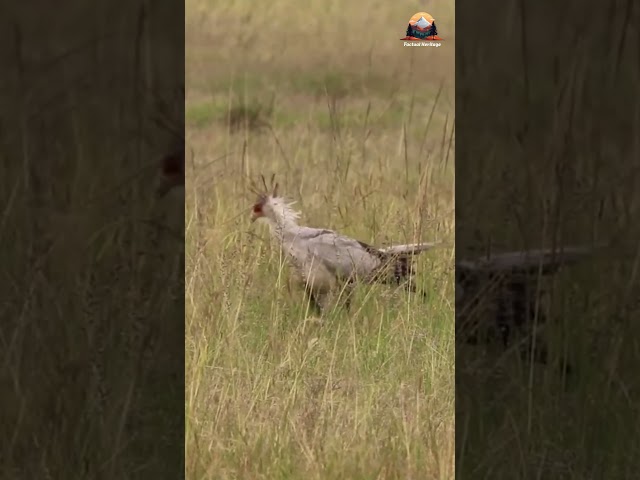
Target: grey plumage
[(326, 261)]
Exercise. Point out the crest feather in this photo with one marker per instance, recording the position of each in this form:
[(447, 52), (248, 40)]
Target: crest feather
[(265, 190)]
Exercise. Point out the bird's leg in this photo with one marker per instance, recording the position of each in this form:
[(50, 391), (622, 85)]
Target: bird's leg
[(524, 310), (347, 294), (411, 287), (314, 302)]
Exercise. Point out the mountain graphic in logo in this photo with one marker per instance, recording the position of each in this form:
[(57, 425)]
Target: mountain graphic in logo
[(422, 26)]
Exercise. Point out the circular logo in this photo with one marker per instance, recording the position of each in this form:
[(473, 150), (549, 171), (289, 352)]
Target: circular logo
[(422, 26)]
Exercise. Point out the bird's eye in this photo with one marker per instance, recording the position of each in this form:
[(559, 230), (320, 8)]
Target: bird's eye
[(257, 208)]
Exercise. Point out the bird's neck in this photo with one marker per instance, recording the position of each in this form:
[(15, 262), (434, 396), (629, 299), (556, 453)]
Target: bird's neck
[(283, 220), (282, 228)]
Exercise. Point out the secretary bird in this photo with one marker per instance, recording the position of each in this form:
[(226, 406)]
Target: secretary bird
[(505, 285), (325, 261)]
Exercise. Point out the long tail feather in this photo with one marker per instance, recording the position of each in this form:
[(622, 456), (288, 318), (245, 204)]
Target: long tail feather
[(398, 258), (410, 248), (529, 261)]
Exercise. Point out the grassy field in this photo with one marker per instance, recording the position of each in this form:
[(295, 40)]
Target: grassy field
[(359, 131), (91, 328), (547, 154)]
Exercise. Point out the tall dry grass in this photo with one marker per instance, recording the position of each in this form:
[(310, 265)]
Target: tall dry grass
[(359, 131)]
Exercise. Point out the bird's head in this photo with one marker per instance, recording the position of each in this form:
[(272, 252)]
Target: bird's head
[(172, 172), (270, 207), (263, 207), (260, 209)]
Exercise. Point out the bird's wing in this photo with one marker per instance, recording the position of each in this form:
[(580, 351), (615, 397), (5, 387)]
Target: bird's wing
[(340, 254)]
